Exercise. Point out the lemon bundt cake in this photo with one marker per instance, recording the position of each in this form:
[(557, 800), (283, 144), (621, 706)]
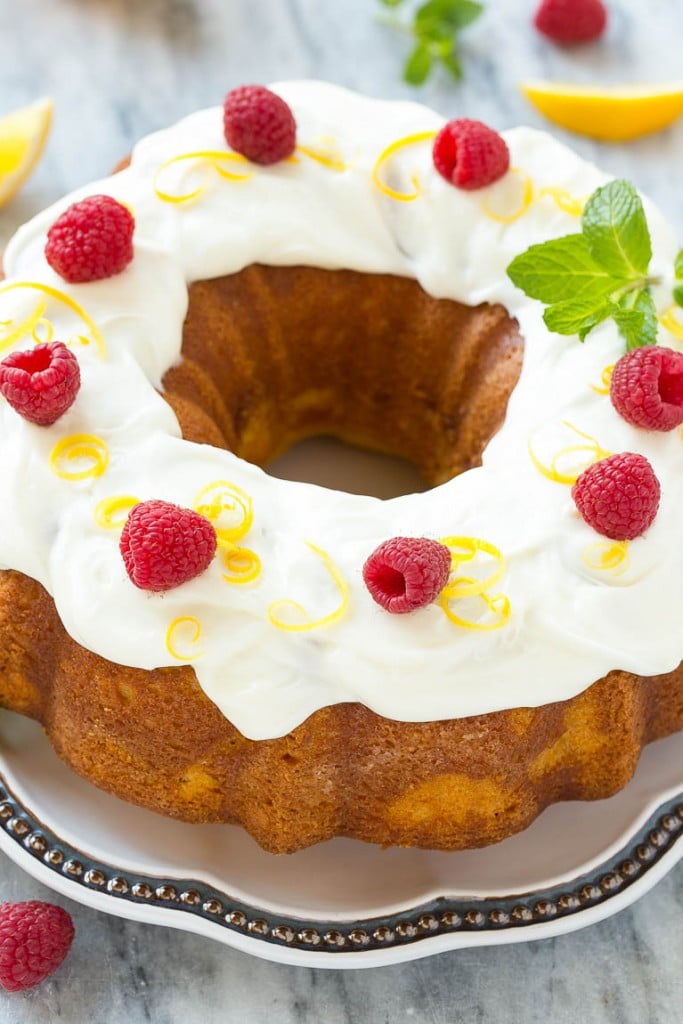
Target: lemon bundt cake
[(220, 645)]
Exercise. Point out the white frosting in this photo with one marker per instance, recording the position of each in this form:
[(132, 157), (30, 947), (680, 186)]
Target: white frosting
[(568, 624)]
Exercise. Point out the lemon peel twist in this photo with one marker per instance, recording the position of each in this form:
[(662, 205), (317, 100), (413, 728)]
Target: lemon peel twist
[(594, 450), (181, 623), (671, 323), (527, 199), (329, 157), (111, 513), (466, 549), (77, 447), (230, 511), (606, 379), (308, 624), (37, 317), (387, 153), (563, 199), (210, 160), (607, 556)]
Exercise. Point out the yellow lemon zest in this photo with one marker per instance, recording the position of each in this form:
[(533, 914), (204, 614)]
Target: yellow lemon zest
[(607, 555), (111, 513), (671, 323), (37, 315), (210, 160), (20, 330), (276, 607), (552, 472), (386, 154), (329, 156), (606, 378), (497, 604), (242, 564), (180, 624), (464, 549), (79, 446), (48, 327), (222, 498), (610, 113), (563, 199), (22, 139), (527, 199)]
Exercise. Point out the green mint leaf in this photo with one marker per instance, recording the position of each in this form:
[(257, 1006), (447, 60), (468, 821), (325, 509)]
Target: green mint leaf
[(572, 317), (616, 231), (560, 270), (678, 295), (453, 65), (594, 319), (452, 15), (678, 266), (636, 318), (418, 65), (391, 3)]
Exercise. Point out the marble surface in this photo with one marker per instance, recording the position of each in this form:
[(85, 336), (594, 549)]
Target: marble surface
[(121, 68)]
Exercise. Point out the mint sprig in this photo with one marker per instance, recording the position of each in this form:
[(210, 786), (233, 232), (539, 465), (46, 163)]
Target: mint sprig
[(434, 27), (586, 278), (678, 272)]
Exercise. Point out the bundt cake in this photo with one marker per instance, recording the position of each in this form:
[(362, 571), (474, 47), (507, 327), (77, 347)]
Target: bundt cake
[(345, 288)]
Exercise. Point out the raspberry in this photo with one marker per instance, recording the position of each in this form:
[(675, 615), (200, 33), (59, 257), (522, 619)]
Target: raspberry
[(34, 940), (406, 573), (258, 124), (469, 154), (41, 383), (647, 388), (164, 545), (571, 21), (92, 239), (618, 496)]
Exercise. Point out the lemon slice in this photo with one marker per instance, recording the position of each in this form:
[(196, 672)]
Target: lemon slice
[(22, 138), (612, 114)]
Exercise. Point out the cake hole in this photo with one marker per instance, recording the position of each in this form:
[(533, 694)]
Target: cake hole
[(339, 466)]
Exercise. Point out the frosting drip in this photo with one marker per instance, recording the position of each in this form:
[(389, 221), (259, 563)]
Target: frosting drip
[(571, 612)]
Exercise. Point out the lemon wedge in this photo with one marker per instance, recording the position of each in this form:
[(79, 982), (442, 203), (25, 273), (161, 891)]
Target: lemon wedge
[(611, 114), (22, 139)]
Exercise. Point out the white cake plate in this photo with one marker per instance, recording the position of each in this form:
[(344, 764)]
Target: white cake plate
[(342, 903)]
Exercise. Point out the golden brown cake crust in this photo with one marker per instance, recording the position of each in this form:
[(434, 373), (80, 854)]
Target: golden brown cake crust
[(260, 369)]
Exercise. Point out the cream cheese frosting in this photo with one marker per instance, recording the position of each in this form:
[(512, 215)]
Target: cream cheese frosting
[(568, 606)]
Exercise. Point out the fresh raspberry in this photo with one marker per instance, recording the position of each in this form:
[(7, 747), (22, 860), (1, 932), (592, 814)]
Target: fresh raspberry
[(406, 573), (569, 22), (258, 124), (164, 545), (647, 388), (41, 383), (618, 496), (92, 239), (469, 154), (34, 940)]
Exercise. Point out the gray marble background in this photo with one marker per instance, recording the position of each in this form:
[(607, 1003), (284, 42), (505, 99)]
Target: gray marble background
[(121, 68)]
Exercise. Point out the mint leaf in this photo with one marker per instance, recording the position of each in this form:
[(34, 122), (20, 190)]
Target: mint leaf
[(451, 14), (391, 3), (616, 230), (559, 270), (594, 319), (418, 65), (636, 318), (452, 64), (678, 295), (570, 317), (678, 266)]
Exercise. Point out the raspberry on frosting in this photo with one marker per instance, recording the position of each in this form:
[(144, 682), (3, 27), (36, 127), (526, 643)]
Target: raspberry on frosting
[(469, 154), (647, 388), (259, 124), (618, 496), (406, 573), (35, 938), (41, 383), (92, 240), (164, 545)]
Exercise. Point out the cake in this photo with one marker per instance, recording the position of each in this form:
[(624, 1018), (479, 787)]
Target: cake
[(347, 290)]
